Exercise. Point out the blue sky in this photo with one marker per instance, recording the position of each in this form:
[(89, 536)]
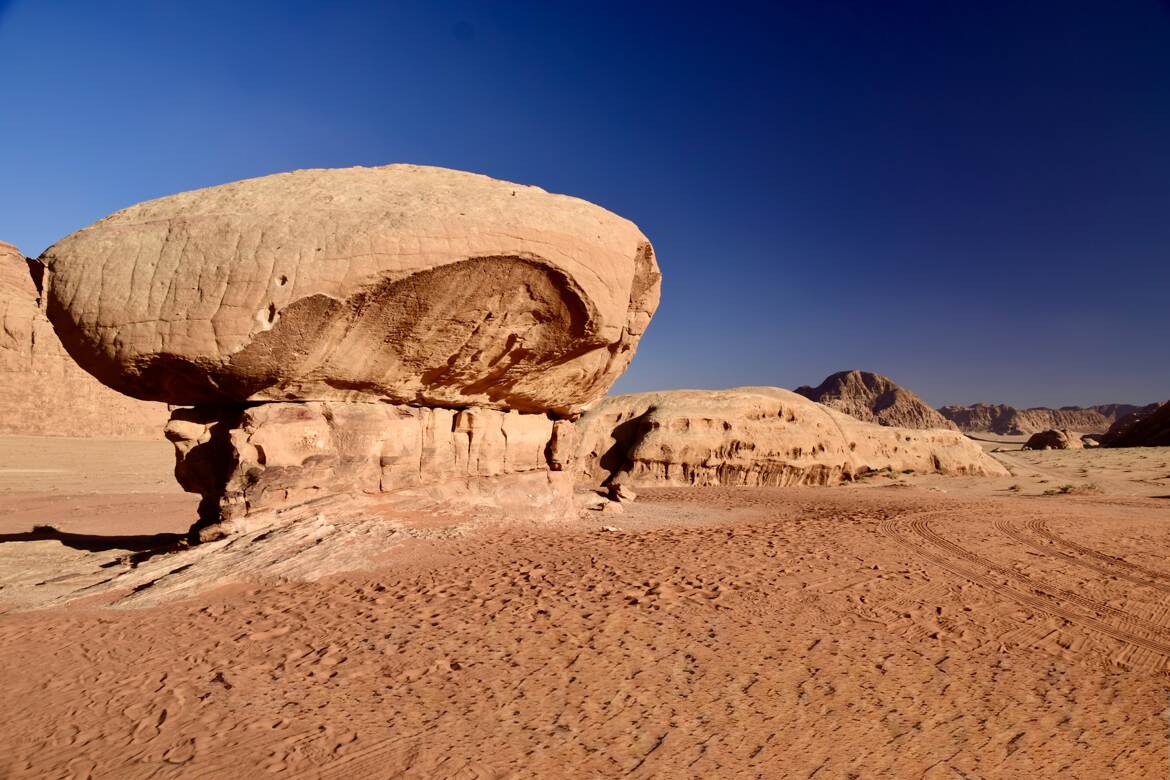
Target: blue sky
[(972, 198)]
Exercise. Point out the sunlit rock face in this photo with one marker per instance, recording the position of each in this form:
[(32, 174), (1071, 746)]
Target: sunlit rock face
[(755, 436), (384, 330), (874, 398), (42, 391), (1054, 440), (402, 283), (269, 457)]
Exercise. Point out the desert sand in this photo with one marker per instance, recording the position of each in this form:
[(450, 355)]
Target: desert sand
[(388, 564), (902, 626)]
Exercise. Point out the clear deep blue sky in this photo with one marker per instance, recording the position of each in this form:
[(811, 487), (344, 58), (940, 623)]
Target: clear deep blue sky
[(971, 197)]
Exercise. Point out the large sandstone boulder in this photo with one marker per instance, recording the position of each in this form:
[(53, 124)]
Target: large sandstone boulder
[(404, 333), (874, 398), (755, 436), (42, 391), (403, 283), (1054, 440)]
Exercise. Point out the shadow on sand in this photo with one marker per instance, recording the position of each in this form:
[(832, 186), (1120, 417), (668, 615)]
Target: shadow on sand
[(143, 546)]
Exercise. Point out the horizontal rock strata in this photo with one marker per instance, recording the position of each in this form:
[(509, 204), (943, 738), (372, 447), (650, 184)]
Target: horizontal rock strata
[(755, 436), (278, 455), (1010, 421)]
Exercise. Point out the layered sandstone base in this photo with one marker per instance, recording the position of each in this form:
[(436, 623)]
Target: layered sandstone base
[(755, 436), (249, 463)]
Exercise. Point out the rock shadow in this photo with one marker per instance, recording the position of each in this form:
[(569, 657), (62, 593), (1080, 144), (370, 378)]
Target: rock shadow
[(142, 546)]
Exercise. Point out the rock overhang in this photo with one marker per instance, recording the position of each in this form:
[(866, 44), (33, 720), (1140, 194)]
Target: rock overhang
[(403, 283)]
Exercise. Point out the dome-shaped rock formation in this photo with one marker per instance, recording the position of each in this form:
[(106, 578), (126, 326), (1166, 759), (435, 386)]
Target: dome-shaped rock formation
[(874, 398), (755, 436), (42, 391), (402, 283), (1054, 440)]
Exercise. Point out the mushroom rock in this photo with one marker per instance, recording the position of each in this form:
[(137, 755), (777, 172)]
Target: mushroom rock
[(755, 436), (404, 284), (42, 391), (406, 330)]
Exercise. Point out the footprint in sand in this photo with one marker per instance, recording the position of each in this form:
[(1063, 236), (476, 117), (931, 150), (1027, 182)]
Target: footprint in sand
[(264, 636)]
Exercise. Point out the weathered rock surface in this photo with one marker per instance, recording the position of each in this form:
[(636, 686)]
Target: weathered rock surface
[(1054, 440), (43, 392), (1152, 430), (755, 436), (261, 459), (1125, 422), (1010, 421), (877, 399), (402, 283)]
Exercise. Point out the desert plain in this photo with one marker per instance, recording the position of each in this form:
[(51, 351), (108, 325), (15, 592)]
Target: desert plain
[(900, 626), (318, 475)]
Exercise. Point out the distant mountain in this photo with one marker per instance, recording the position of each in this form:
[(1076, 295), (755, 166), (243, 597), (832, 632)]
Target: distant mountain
[(1008, 420), (1151, 429), (875, 398)]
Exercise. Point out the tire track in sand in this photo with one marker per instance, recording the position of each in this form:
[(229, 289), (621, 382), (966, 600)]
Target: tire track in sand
[(945, 554), (1096, 562), (1039, 527)]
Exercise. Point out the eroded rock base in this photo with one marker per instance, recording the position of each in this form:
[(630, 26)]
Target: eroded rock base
[(752, 437), (251, 463)]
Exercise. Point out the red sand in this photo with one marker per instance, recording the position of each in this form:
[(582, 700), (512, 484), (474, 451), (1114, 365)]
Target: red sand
[(719, 633)]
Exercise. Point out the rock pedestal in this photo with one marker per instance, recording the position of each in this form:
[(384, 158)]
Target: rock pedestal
[(402, 331), (268, 457)]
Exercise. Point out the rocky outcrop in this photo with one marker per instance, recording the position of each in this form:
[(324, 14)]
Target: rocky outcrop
[(42, 391), (1009, 421), (270, 457), (1151, 430), (876, 399), (755, 436), (1125, 422), (405, 284), (404, 332), (1054, 440)]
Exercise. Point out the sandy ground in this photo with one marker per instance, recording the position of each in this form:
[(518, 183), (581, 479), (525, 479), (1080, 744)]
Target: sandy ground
[(934, 628)]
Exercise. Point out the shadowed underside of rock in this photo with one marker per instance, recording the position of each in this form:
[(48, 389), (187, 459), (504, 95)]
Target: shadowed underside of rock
[(257, 461), (402, 283), (755, 436)]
